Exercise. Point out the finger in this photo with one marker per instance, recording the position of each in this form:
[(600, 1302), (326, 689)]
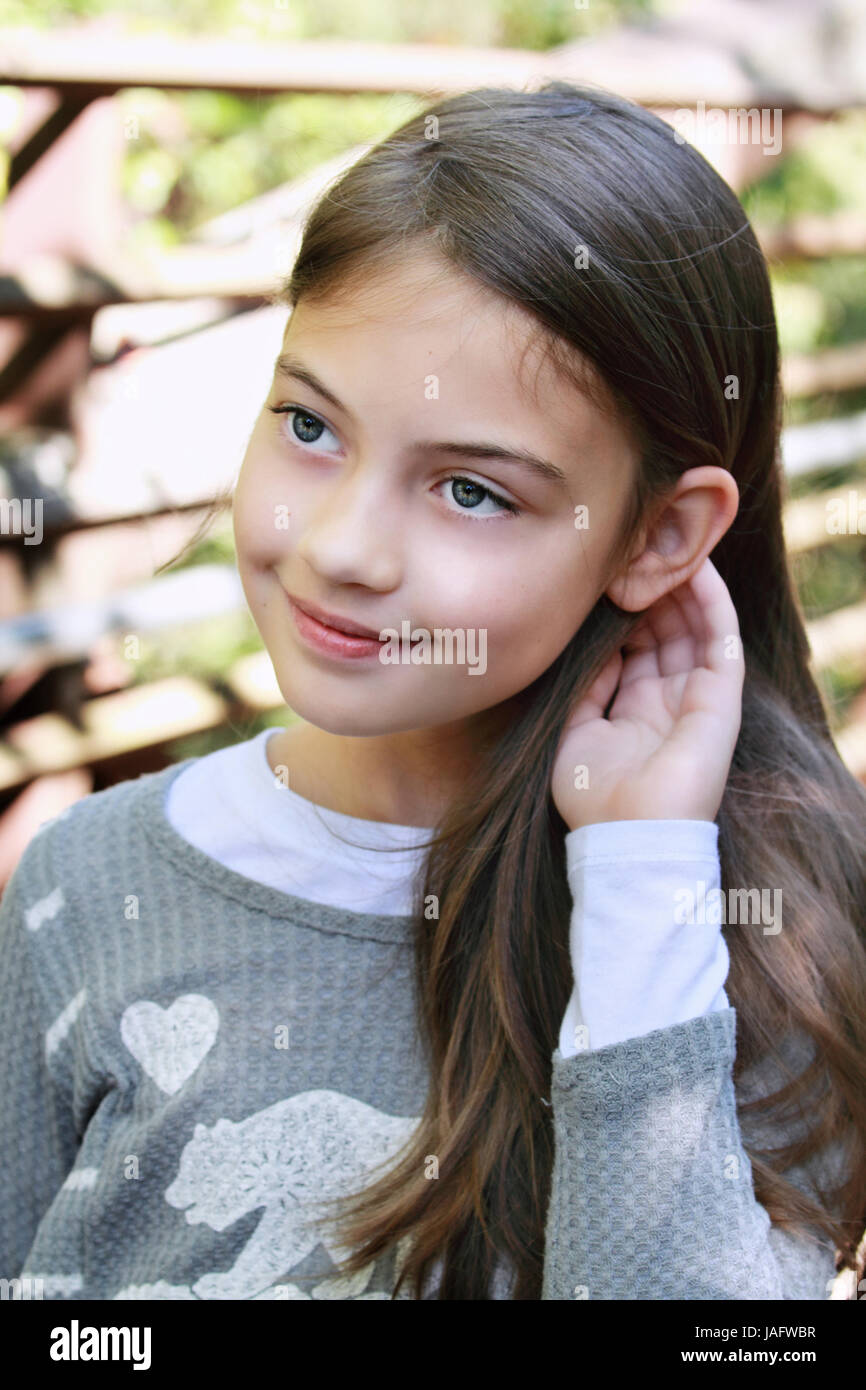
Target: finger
[(689, 620), (723, 645), (597, 698), (640, 653), (694, 620), (692, 613), (677, 640), (667, 641)]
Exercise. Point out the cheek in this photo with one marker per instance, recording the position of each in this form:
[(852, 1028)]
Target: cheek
[(262, 518), (529, 601), (535, 605)]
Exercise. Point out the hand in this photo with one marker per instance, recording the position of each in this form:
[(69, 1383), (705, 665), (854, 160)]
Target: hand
[(665, 749)]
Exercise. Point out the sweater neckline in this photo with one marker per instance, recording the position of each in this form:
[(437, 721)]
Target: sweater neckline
[(252, 894)]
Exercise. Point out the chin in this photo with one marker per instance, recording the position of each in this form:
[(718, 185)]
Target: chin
[(348, 723), (358, 722)]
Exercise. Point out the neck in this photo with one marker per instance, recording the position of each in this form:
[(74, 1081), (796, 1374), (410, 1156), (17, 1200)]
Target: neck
[(408, 778)]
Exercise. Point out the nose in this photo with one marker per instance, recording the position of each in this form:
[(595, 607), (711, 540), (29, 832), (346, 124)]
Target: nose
[(355, 534)]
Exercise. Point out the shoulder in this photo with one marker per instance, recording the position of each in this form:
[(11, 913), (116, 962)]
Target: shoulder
[(92, 839)]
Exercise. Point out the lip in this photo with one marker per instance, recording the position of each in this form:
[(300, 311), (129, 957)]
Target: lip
[(330, 641), (332, 621)]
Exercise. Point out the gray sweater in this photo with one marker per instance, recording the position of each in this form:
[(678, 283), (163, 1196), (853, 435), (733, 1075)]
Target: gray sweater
[(191, 1058)]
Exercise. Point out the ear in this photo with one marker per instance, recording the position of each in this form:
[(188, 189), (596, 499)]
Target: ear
[(677, 540)]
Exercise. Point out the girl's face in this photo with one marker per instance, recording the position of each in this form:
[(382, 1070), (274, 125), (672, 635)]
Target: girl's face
[(388, 492)]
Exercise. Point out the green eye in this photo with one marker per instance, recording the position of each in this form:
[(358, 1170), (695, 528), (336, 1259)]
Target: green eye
[(301, 413), (485, 492)]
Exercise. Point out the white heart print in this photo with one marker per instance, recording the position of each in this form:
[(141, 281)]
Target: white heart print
[(169, 1044)]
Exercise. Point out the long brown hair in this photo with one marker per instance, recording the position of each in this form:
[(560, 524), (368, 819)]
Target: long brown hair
[(672, 308)]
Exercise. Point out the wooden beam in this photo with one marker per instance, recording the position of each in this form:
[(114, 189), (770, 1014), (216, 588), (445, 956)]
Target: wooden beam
[(654, 67), (808, 520), (837, 442), (833, 369), (52, 288), (42, 339), (52, 530), (76, 62), (840, 234), (66, 111), (253, 681), (131, 719), (83, 294)]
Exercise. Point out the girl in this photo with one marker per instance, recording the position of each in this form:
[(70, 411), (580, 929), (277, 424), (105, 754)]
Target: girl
[(544, 1046)]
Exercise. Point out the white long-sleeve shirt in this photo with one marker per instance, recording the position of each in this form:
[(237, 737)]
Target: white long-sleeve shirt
[(637, 965)]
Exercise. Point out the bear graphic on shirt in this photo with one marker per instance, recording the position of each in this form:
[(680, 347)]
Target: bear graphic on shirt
[(311, 1146)]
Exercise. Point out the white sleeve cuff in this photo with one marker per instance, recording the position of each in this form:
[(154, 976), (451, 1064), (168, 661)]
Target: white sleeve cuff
[(647, 950)]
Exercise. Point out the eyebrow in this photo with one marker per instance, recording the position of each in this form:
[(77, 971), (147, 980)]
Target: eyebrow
[(289, 366)]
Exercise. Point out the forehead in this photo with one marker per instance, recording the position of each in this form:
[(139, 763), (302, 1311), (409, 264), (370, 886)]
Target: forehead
[(379, 338)]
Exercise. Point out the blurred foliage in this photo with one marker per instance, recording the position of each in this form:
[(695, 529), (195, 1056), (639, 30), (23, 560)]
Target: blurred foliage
[(823, 480), (202, 649), (199, 154), (831, 576), (832, 309), (842, 686), (819, 303), (216, 547), (537, 24), (816, 176)]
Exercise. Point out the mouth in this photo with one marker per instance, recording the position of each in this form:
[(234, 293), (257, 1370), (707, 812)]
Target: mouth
[(330, 641), (333, 622)]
